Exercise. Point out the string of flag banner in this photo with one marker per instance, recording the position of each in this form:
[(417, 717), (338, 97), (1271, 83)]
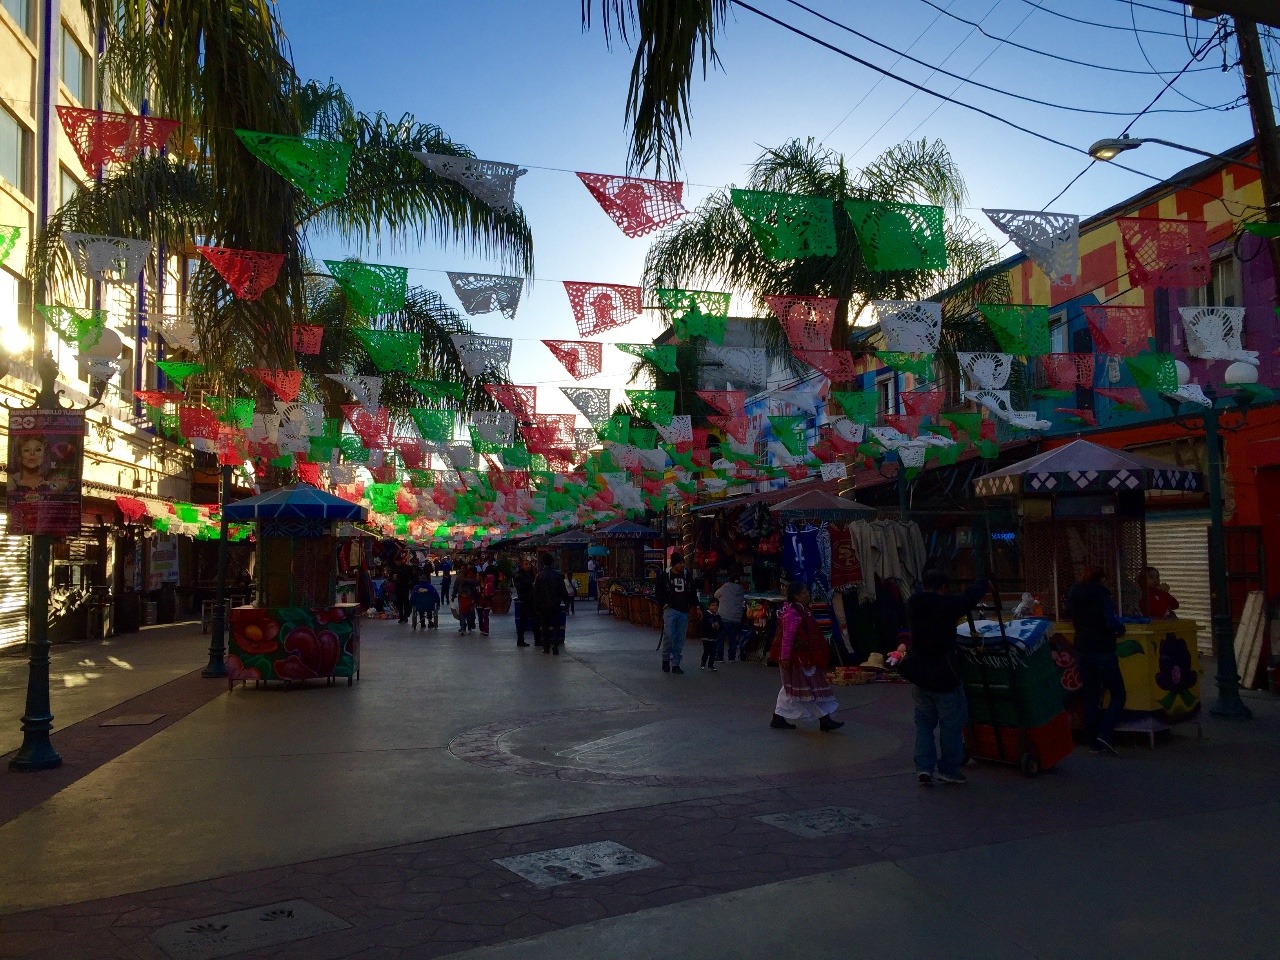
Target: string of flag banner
[(541, 470)]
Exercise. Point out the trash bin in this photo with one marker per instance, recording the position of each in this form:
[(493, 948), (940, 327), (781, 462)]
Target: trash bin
[(128, 612), (167, 605)]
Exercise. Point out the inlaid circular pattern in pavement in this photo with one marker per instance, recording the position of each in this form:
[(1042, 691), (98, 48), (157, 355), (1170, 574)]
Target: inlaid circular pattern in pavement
[(646, 747)]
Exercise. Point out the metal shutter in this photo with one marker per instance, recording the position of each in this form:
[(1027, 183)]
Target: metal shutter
[(1178, 546), (13, 587)]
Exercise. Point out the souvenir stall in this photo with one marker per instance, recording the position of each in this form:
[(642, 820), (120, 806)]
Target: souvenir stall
[(297, 630), (570, 550), (629, 591), (1083, 504)]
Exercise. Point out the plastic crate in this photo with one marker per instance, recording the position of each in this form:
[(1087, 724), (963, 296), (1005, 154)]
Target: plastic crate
[(1020, 689)]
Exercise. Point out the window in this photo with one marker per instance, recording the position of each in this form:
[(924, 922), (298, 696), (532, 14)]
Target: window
[(75, 68), (20, 11), (1223, 288), (68, 186), (1058, 332), (887, 387), (15, 150)]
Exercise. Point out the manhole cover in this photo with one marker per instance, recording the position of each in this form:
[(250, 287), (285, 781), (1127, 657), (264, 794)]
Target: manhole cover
[(132, 720), (587, 861), (824, 821), (228, 933)]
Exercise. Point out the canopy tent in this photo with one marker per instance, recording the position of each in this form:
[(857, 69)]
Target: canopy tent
[(299, 502), (820, 505), (570, 538), (1084, 467), (625, 530)]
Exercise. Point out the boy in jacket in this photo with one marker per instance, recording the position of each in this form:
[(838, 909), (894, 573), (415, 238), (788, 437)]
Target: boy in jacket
[(675, 594)]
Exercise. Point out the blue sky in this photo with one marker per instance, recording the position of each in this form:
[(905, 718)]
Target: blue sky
[(518, 81)]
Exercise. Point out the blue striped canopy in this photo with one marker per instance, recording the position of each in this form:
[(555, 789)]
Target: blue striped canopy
[(299, 502)]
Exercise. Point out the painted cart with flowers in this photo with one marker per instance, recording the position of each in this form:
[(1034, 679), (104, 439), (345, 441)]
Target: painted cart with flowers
[(297, 631)]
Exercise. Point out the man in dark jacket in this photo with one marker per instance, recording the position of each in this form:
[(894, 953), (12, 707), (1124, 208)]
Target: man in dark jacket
[(937, 690), (526, 618), (676, 595), (406, 578), (1093, 615), (548, 600)]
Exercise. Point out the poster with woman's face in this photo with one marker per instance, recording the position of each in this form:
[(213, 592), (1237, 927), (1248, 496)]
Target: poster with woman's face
[(46, 453)]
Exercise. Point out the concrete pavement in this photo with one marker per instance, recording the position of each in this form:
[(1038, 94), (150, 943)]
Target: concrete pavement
[(378, 812)]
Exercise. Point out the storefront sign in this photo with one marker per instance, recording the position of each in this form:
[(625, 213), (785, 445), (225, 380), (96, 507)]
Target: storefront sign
[(46, 457), (164, 563)]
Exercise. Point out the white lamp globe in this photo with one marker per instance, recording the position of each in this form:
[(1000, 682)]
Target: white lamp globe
[(1241, 373), (1184, 373), (107, 348)]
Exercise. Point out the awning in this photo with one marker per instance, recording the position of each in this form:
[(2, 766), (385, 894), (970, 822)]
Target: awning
[(1084, 467), (299, 502)]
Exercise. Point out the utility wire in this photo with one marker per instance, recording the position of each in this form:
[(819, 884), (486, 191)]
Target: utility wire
[(1045, 53), (983, 86), (1143, 50), (1091, 23), (1180, 14)]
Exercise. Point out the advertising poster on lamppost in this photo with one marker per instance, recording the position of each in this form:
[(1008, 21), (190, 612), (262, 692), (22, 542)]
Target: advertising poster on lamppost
[(46, 460)]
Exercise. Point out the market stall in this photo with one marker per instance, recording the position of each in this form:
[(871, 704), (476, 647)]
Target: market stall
[(296, 631), (570, 549), (1083, 504)]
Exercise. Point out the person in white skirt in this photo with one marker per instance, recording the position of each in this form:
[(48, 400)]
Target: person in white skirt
[(802, 659)]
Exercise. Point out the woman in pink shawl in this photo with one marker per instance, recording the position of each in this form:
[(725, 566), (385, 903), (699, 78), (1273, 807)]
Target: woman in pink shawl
[(802, 658)]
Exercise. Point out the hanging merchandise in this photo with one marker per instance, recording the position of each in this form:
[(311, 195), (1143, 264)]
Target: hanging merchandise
[(1066, 372), (598, 307), (788, 226), (860, 406), (807, 321), (285, 384), (1214, 333), (910, 326), (1020, 330), (487, 293), (593, 402), (100, 137), (731, 403), (8, 239), (1120, 331), (656, 406), (899, 236), (522, 401), (316, 167), (838, 366), (435, 426), (750, 365), (438, 390), (116, 260), (1050, 240), (582, 358), (307, 338), (495, 426), (663, 357), (366, 391), (480, 354), (82, 329), (492, 182), (1165, 253), (392, 350), (372, 289), (1153, 371), (249, 273), (986, 371), (922, 403), (920, 367), (696, 313), (636, 205)]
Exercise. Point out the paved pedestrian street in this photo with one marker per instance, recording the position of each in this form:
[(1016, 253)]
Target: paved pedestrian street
[(467, 798)]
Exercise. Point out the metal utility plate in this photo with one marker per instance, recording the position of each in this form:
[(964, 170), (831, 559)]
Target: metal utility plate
[(231, 933), (824, 821), (587, 861)]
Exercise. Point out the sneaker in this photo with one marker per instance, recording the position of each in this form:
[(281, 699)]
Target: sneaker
[(712, 668), (951, 778), (1101, 746), (924, 779), (555, 651), (677, 670), (702, 666), (521, 643), (666, 666)]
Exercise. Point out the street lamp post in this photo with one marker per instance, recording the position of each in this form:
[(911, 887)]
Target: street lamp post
[(1111, 147), (217, 667), (1228, 705)]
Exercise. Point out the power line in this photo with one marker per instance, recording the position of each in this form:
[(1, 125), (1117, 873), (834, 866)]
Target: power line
[(983, 86), (1045, 53), (1180, 14), (1143, 50), (1091, 23)]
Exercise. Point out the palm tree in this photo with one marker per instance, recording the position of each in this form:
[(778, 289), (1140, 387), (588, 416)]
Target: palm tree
[(222, 65)]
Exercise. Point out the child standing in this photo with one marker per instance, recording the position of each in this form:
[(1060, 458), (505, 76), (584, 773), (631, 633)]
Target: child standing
[(711, 624), (426, 604)]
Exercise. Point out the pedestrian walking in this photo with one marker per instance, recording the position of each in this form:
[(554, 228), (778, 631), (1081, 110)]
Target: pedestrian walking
[(406, 577), (675, 594), (487, 581), (425, 602), (446, 576), (802, 660), (940, 703), (548, 599), (1093, 615), (526, 614), (465, 589), (711, 626), (570, 591), (733, 610)]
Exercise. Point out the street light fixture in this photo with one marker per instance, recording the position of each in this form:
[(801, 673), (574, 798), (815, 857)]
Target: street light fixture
[(1111, 147), (1228, 705)]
